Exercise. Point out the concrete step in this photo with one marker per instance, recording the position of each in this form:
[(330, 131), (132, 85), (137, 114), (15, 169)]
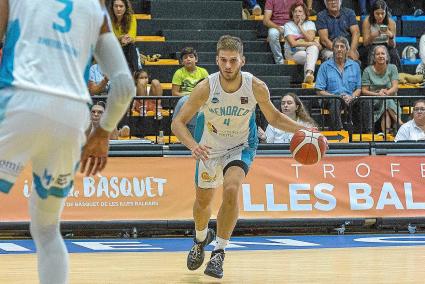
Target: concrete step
[(251, 57), (165, 73), (155, 26), (207, 34), (170, 9), (168, 48)]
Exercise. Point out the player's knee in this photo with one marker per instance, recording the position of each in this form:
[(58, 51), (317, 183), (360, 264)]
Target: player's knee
[(230, 195), (203, 203)]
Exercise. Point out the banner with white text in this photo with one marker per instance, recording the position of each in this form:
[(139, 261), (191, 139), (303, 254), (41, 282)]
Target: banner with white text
[(276, 187)]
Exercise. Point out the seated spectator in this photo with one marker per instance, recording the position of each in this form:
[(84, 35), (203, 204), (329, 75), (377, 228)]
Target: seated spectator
[(381, 79), (362, 4), (300, 44), (124, 25), (98, 83), (379, 29), (191, 125), (188, 76), (414, 129), (339, 76), (145, 87), (276, 15), (291, 106), (334, 22), (96, 113)]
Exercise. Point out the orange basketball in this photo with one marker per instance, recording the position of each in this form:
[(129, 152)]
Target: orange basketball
[(308, 147)]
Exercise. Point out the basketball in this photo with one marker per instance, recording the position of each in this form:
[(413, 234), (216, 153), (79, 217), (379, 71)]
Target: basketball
[(308, 147)]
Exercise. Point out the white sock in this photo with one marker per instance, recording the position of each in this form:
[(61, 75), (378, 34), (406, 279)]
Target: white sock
[(52, 255), (221, 243), (201, 235)]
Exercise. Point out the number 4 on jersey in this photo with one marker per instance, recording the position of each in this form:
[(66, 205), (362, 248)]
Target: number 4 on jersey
[(226, 121)]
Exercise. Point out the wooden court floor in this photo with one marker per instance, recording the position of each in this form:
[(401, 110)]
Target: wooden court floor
[(349, 265)]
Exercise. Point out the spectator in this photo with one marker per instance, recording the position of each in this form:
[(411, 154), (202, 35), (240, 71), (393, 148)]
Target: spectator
[(414, 129), (98, 83), (333, 22), (254, 7), (379, 29), (191, 125), (145, 87), (300, 44), (381, 79), (188, 76), (339, 76), (96, 113), (276, 15), (291, 106), (124, 24), (362, 4)]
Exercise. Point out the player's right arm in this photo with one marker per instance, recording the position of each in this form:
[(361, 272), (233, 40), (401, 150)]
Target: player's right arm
[(197, 99), (4, 17), (110, 57)]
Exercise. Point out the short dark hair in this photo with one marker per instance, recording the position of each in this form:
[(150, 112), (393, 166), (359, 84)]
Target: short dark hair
[(188, 50)]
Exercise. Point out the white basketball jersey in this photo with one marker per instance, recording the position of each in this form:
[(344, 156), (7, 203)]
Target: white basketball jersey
[(49, 46), (227, 120)]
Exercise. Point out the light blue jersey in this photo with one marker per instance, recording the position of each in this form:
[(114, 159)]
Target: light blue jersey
[(51, 53), (227, 120)]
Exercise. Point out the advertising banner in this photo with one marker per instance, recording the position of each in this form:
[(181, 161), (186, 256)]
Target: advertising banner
[(276, 187)]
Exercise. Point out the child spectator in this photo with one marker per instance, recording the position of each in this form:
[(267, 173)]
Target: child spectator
[(188, 76), (145, 87)]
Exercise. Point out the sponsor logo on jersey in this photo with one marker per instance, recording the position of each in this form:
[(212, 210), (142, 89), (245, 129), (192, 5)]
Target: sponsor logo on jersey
[(244, 100), (214, 100), (211, 128)]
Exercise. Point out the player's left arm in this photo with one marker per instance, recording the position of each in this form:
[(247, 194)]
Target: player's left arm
[(4, 17), (273, 116)]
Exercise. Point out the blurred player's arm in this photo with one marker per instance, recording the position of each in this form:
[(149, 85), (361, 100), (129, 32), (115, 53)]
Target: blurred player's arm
[(273, 116), (110, 57), (196, 100), (4, 16)]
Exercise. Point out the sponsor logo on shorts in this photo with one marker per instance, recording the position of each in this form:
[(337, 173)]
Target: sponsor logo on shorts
[(206, 177), (10, 168)]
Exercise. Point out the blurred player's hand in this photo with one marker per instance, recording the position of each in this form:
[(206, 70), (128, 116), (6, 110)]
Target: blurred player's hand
[(95, 153), (200, 152)]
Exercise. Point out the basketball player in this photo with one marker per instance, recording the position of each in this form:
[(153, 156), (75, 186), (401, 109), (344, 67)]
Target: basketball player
[(224, 145), (43, 108)]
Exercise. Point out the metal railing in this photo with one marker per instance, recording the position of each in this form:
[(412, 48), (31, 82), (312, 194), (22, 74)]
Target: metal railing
[(356, 117)]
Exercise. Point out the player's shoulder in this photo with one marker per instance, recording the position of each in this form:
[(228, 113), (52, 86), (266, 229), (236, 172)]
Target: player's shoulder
[(258, 84)]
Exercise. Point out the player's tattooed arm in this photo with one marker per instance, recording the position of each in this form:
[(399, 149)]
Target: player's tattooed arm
[(273, 116), (4, 16)]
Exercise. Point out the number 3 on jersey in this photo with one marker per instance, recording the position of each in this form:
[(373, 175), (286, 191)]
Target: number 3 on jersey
[(226, 121), (65, 16)]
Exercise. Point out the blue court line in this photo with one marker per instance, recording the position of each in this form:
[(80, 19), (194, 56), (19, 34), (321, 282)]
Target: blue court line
[(237, 243)]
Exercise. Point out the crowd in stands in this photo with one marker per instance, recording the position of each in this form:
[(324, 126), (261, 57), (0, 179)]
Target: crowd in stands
[(349, 68)]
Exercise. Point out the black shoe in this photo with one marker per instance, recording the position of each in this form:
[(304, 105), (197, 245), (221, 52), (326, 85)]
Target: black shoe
[(215, 265), (196, 255)]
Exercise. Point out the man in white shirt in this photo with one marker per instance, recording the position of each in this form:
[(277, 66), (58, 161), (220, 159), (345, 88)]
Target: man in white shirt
[(415, 128)]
